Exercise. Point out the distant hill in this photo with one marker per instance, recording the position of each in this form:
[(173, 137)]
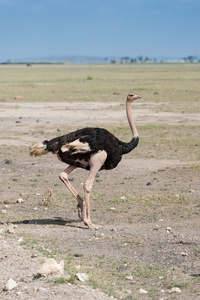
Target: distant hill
[(62, 59)]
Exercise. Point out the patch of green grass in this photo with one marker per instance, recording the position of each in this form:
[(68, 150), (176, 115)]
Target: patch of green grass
[(197, 251), (132, 242), (115, 200), (129, 178), (145, 271), (178, 141), (65, 280), (30, 243), (33, 179), (46, 251), (160, 199), (108, 276), (10, 138)]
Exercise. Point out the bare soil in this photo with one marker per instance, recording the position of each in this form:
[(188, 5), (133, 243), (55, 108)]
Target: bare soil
[(148, 207)]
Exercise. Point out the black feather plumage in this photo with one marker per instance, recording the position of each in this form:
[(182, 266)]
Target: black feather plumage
[(97, 139)]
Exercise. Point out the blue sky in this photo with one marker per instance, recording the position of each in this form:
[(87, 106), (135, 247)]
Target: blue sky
[(107, 28)]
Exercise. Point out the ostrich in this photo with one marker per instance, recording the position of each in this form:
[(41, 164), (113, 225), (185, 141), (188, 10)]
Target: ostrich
[(93, 149)]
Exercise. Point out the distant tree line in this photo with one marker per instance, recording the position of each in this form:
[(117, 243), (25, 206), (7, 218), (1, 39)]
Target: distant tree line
[(146, 59), (122, 60), (191, 59)]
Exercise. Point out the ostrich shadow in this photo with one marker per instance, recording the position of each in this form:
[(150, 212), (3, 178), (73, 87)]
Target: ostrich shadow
[(54, 221)]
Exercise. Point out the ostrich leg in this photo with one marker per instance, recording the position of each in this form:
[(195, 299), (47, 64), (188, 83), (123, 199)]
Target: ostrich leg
[(96, 162), (64, 177)]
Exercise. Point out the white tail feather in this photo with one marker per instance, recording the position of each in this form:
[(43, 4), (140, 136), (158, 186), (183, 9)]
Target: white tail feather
[(38, 149)]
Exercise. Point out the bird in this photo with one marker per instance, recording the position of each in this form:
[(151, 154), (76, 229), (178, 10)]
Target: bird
[(92, 149)]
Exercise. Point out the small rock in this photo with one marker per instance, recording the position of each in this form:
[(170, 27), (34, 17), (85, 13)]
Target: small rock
[(41, 289), (10, 230), (35, 208), (184, 254), (33, 255), (20, 200), (175, 290), (3, 211), (123, 198), (78, 267), (98, 180), (14, 226), (10, 284), (121, 267), (112, 208), (142, 291), (149, 183), (18, 97), (82, 276), (168, 229), (20, 240), (78, 254), (156, 228), (8, 161), (129, 277), (50, 266), (191, 191)]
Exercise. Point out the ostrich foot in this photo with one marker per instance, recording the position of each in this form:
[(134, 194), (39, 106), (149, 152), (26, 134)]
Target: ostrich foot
[(91, 225)]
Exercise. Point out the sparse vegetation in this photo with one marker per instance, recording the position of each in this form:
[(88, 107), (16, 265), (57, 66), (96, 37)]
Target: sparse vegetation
[(155, 187)]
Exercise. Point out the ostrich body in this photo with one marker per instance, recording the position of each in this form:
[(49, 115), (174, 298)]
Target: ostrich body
[(93, 149)]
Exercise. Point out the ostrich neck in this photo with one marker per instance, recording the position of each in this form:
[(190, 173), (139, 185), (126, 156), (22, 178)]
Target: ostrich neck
[(130, 119)]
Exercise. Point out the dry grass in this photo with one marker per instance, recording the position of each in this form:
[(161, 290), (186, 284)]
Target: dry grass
[(177, 85)]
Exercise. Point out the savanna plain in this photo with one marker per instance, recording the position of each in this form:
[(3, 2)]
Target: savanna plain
[(149, 206)]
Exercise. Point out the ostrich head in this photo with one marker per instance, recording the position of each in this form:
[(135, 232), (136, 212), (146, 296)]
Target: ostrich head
[(132, 96)]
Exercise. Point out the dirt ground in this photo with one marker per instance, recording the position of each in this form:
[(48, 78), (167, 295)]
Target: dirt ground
[(148, 207)]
